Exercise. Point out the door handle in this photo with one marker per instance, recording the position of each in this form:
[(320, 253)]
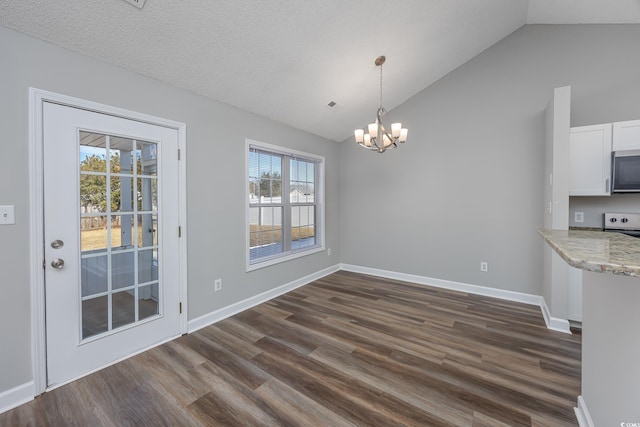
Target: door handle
[(57, 263), (57, 244)]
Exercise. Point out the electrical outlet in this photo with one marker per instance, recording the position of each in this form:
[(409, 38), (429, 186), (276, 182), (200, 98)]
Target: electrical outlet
[(578, 216), (217, 285), (484, 266), (329, 252), (7, 215)]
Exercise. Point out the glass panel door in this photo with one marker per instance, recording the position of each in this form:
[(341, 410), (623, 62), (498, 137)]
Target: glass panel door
[(112, 252)]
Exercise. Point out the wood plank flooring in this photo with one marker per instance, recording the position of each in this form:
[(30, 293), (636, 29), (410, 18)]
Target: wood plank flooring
[(345, 350)]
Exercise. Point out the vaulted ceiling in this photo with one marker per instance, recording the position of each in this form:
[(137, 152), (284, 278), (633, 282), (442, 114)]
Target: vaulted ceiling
[(287, 59)]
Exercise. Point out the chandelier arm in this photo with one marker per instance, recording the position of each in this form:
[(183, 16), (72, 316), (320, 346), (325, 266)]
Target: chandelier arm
[(368, 148), (381, 111)]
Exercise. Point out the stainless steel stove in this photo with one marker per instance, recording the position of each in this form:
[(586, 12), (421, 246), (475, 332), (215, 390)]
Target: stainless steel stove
[(627, 223)]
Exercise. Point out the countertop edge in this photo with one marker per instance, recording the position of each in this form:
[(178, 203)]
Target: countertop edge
[(586, 264)]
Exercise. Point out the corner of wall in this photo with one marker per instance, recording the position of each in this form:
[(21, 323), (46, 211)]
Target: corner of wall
[(553, 323), (582, 414), (223, 313)]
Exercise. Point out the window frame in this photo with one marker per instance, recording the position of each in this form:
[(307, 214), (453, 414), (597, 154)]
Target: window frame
[(287, 254)]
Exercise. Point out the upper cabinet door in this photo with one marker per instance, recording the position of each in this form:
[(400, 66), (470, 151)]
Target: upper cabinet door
[(590, 160), (626, 135)]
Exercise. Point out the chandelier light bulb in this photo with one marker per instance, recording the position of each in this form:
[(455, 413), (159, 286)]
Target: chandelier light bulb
[(373, 130), (359, 133), (395, 129), (403, 134)]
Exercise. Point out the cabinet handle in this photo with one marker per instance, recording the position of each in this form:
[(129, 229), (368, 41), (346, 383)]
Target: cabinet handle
[(607, 185)]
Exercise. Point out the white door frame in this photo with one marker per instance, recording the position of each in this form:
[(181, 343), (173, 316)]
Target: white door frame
[(36, 208)]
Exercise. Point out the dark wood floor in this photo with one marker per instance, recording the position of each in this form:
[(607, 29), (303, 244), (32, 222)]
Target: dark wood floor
[(348, 349)]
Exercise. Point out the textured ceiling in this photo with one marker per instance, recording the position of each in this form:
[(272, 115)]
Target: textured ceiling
[(286, 59)]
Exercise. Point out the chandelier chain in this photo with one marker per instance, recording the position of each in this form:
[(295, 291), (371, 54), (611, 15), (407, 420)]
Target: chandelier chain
[(381, 85)]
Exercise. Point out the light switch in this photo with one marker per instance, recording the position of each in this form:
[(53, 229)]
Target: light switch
[(7, 215)]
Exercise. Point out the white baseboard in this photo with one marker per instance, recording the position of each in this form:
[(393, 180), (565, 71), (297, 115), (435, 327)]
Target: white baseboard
[(218, 315), (554, 323), (551, 322), (16, 396), (448, 284), (582, 414)]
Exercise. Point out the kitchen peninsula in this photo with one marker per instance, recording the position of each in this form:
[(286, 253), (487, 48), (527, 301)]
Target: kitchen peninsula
[(610, 322)]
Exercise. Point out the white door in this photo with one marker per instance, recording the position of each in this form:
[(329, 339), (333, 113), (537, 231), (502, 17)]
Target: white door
[(111, 238)]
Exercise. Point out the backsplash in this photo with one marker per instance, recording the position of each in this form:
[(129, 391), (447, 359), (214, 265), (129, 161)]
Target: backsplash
[(594, 207)]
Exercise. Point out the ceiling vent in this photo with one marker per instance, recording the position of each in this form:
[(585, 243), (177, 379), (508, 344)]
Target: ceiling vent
[(333, 106), (137, 3)]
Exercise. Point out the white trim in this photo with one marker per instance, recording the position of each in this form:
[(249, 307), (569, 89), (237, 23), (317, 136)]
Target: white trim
[(16, 396), (551, 322), (36, 234), (36, 206), (230, 310), (447, 284), (278, 149), (554, 323), (582, 414), (182, 217), (279, 259)]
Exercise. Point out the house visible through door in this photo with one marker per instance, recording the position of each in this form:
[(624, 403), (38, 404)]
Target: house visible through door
[(111, 218)]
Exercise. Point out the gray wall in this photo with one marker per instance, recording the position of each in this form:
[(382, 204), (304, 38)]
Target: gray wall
[(594, 207), (215, 183), (468, 185)]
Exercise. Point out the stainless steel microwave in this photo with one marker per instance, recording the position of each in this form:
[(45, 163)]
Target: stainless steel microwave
[(625, 171)]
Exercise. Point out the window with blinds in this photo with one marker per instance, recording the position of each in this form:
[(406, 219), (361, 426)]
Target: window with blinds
[(284, 210)]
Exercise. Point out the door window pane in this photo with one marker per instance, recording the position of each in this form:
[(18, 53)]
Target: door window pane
[(122, 193), (123, 304), (95, 316), (93, 152), (148, 230), (93, 233), (122, 231), (122, 270), (146, 157), (148, 301), (147, 266), (93, 193), (94, 274), (121, 155), (147, 194)]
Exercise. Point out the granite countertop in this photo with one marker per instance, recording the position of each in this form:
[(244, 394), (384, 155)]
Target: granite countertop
[(596, 250)]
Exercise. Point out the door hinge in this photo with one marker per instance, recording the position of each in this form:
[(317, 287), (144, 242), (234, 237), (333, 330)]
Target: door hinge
[(44, 264), (179, 231), (178, 154), (180, 308)]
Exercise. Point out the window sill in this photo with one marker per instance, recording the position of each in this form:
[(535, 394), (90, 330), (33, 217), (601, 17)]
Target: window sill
[(284, 258)]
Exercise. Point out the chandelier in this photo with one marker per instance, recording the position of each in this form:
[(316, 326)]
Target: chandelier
[(379, 139)]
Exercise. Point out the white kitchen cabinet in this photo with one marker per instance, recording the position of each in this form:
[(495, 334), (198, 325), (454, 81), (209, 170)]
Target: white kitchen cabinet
[(590, 160), (626, 135), (574, 309)]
